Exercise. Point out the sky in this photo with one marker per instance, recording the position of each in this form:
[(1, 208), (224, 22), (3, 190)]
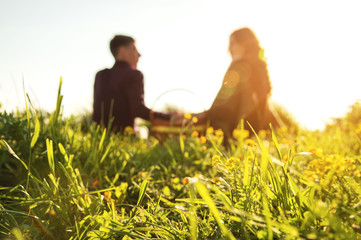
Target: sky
[(312, 48)]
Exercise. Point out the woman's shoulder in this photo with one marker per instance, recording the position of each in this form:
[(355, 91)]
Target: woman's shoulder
[(240, 65), (241, 68)]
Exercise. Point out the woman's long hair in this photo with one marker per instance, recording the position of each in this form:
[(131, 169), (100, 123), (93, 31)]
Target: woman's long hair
[(260, 80)]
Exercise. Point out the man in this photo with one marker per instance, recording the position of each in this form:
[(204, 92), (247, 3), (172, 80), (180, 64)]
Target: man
[(119, 91)]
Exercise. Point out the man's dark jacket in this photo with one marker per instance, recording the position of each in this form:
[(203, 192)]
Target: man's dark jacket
[(119, 93)]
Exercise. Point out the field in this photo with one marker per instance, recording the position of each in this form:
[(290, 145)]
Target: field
[(65, 178)]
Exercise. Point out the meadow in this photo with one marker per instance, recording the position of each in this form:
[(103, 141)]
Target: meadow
[(66, 178)]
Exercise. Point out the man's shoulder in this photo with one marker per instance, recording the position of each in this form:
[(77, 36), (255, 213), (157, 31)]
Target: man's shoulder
[(135, 73), (126, 71), (102, 72)]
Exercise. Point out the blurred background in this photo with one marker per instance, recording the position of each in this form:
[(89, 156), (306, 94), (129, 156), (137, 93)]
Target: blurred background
[(312, 49)]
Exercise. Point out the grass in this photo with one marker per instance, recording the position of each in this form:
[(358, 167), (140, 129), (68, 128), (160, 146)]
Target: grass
[(70, 179)]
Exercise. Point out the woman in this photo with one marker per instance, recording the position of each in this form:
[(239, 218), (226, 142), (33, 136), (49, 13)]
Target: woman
[(245, 89)]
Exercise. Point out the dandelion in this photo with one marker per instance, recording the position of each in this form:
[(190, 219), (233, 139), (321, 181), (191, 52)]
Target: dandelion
[(341, 168), (229, 165), (349, 160), (52, 212), (128, 131), (232, 163), (317, 152), (357, 173), (250, 142), (283, 130), (310, 175), (284, 141), (188, 116), (352, 167), (185, 180), (216, 160), (218, 132), (203, 139), (195, 134), (239, 133), (322, 166), (107, 196), (262, 134), (358, 129), (194, 119), (216, 180), (210, 130)]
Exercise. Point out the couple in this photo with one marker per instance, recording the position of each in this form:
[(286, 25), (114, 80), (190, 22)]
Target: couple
[(119, 91)]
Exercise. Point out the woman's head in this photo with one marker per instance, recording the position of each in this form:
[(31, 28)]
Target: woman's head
[(243, 43)]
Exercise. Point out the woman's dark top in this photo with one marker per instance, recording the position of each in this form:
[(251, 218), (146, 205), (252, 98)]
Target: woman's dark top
[(244, 93)]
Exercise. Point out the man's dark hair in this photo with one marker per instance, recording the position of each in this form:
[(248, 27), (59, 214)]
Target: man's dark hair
[(119, 41)]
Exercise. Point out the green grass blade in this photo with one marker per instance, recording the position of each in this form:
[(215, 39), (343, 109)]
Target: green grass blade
[(102, 139), (181, 143), (36, 132), (142, 192), (267, 215), (26, 105), (50, 152), (105, 154), (274, 139), (202, 190), (11, 151), (17, 234), (58, 101)]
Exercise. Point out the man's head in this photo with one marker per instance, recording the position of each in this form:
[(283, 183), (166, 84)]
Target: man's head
[(123, 49)]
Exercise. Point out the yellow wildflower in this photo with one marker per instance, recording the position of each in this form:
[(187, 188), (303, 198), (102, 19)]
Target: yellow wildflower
[(218, 132), (210, 130), (216, 180), (107, 196), (341, 168), (216, 160), (188, 116), (239, 133), (250, 142), (352, 167), (358, 129), (262, 134), (195, 134), (317, 152), (128, 131), (203, 139), (194, 119), (51, 212), (349, 160), (185, 180), (357, 173)]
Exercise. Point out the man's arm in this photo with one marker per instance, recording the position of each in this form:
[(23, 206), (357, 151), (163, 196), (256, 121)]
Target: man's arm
[(136, 100)]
